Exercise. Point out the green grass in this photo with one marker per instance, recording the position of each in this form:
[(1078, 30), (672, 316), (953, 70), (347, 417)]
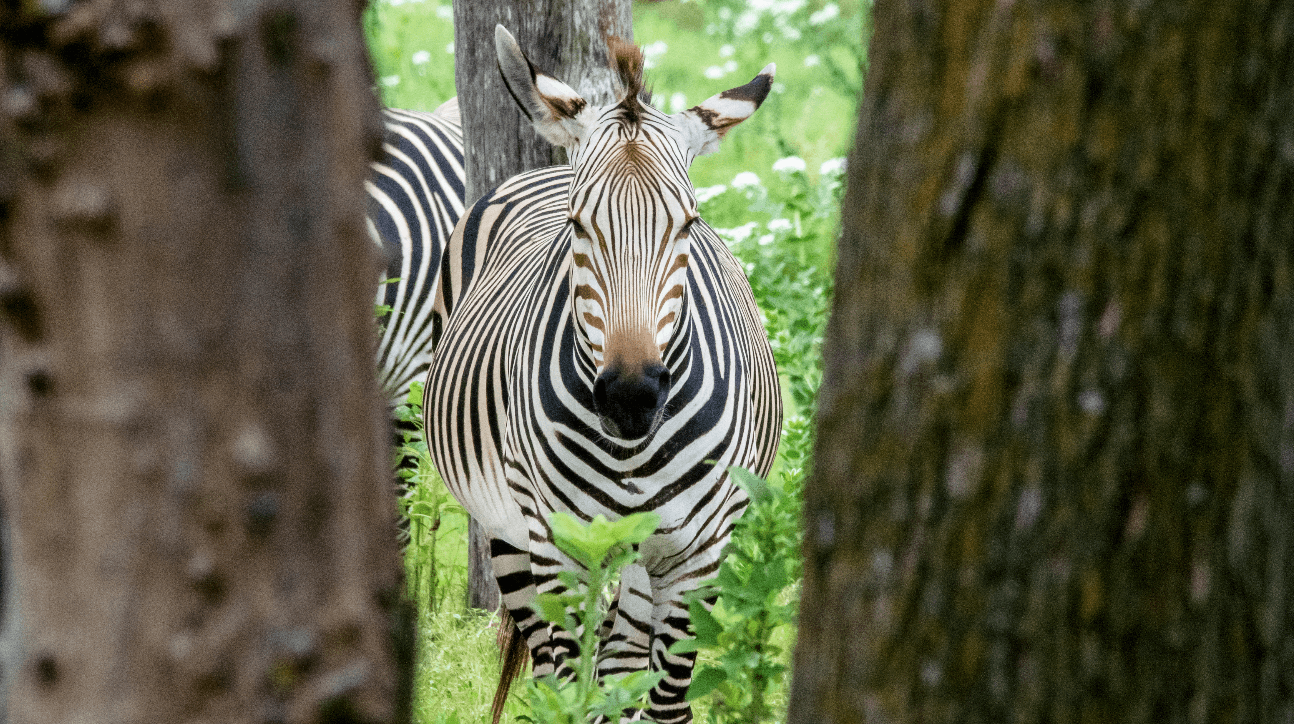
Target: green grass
[(780, 223)]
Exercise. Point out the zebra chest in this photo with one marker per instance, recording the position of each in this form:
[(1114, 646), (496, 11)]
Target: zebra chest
[(555, 440)]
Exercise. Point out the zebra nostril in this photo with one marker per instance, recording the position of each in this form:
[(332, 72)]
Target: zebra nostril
[(658, 376), (600, 390)]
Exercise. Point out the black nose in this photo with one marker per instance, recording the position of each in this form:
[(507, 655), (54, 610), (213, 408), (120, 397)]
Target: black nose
[(630, 403)]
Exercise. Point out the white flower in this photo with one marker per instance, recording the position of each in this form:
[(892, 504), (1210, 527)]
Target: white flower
[(421, 57), (832, 166), (714, 72), (811, 60), (778, 87), (830, 11), (790, 32), (739, 234), (653, 51), (746, 22), (677, 102), (744, 179), (705, 193), (726, 51), (390, 80), (790, 164), (657, 48), (450, 48), (730, 66), (445, 12), (765, 240), (779, 225)]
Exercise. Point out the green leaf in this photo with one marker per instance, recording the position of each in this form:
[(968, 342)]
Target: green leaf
[(685, 646), (635, 528), (550, 607), (754, 485), (704, 624), (704, 681), (415, 394)]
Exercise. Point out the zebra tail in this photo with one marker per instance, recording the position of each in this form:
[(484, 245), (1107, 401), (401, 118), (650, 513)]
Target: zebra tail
[(513, 654)]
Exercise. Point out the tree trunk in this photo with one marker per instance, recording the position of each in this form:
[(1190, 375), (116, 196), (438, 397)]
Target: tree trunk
[(192, 447), (567, 40), (1054, 477)]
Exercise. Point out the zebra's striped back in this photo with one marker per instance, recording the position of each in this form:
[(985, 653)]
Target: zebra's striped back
[(415, 196)]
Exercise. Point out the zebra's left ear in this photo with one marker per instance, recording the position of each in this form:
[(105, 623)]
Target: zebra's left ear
[(551, 105), (706, 123)]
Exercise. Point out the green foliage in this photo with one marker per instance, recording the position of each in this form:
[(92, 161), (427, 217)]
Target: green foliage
[(696, 49), (411, 46), (458, 667), (751, 605), (603, 548)]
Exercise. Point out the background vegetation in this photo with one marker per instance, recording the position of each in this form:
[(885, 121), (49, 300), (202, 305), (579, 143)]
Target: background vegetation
[(773, 192)]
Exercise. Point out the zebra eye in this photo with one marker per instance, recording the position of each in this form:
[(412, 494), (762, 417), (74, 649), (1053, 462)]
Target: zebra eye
[(579, 229), (687, 228)]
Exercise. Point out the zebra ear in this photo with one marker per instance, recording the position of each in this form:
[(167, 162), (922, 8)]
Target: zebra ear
[(706, 123), (551, 105)]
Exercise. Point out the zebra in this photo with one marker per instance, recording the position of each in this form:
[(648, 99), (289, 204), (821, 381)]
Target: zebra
[(602, 354), (414, 198)]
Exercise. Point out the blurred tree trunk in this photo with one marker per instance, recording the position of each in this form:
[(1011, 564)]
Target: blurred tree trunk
[(567, 40), (194, 451), (1054, 479)]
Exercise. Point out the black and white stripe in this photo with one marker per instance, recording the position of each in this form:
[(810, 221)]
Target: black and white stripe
[(415, 196), (602, 354)]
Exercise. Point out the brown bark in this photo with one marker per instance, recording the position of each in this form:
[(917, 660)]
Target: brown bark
[(567, 40), (193, 449), (1054, 477)]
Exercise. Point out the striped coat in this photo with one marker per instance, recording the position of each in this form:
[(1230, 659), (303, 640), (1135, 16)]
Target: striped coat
[(602, 354)]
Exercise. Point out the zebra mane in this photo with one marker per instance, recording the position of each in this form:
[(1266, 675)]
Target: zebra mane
[(627, 59)]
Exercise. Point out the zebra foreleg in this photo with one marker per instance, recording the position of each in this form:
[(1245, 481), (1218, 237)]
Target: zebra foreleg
[(626, 635), (670, 619)]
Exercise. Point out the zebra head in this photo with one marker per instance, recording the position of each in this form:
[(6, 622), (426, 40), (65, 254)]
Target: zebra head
[(631, 209)]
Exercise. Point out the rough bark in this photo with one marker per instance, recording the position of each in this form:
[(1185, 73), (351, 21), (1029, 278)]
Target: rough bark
[(192, 447), (1054, 477), (567, 40)]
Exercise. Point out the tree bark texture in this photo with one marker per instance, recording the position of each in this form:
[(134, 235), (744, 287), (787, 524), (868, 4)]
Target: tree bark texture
[(563, 38), (194, 450), (1054, 479)]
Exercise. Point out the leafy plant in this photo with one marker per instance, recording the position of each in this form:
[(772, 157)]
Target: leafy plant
[(749, 607), (603, 548)]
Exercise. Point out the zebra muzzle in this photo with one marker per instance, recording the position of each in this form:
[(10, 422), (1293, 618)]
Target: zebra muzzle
[(631, 405)]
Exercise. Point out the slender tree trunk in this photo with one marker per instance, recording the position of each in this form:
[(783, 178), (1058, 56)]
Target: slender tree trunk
[(567, 40), (1054, 479), (192, 447)]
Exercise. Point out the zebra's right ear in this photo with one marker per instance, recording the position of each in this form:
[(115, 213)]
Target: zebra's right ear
[(552, 106)]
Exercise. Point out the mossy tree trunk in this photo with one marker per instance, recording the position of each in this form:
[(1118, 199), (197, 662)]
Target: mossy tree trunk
[(194, 451), (1054, 479), (567, 40)]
